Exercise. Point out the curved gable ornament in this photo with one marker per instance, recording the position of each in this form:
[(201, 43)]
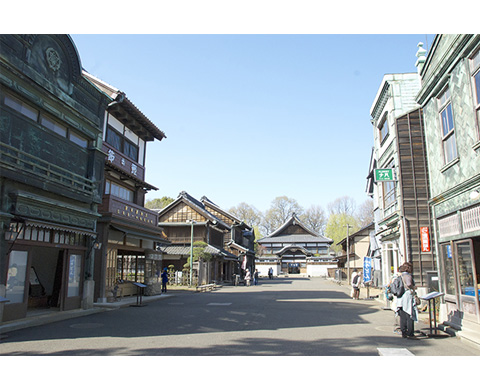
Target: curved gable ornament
[(53, 59)]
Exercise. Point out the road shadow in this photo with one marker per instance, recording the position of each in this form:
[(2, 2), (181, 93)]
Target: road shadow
[(253, 347), (221, 311)]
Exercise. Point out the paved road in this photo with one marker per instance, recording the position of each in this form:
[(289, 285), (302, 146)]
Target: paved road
[(282, 317)]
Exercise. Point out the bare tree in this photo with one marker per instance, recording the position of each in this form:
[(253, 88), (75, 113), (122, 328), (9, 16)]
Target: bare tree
[(247, 213), (343, 205), (315, 219), (282, 208), (365, 213)]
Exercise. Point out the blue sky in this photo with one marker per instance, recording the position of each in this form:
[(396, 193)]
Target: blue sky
[(252, 117)]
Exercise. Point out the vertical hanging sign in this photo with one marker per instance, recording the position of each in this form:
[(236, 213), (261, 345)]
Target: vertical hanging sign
[(367, 269), (425, 238)]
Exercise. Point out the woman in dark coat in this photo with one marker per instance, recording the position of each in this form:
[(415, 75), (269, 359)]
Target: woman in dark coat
[(406, 306)]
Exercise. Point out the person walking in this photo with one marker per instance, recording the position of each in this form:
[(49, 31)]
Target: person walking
[(164, 280), (248, 278), (356, 279), (255, 277), (406, 304)]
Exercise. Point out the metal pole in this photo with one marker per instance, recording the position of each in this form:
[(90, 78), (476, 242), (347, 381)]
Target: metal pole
[(191, 254), (348, 254)]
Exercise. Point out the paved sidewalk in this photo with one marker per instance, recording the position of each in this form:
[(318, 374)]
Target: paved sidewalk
[(377, 294), (47, 316)]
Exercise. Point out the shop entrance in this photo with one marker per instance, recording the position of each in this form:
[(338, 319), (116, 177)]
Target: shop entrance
[(461, 266), (293, 268), (36, 280)]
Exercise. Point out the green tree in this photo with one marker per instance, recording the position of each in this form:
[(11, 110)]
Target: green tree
[(337, 228), (199, 252), (341, 213), (158, 203)]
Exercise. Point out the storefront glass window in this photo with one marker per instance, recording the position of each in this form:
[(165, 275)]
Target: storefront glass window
[(75, 265), (129, 268), (465, 267), (132, 268), (449, 269), (140, 269), (17, 271), (119, 267)]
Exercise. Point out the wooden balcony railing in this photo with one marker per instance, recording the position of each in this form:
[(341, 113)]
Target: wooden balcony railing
[(28, 164), (185, 240)]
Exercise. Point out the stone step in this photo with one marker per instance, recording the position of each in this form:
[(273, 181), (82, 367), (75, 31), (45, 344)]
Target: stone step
[(470, 336), (448, 329), (469, 331)]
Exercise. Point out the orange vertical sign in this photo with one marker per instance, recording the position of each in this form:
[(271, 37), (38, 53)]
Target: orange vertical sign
[(425, 237)]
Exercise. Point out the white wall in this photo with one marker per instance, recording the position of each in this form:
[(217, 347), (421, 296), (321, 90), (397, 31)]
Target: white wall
[(319, 269)]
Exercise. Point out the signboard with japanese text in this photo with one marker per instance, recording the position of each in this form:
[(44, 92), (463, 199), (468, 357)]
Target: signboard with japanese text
[(122, 162), (425, 238), (367, 269), (384, 175)]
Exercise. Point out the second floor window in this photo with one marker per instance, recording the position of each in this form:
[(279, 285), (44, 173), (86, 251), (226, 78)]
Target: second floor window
[(389, 192), (123, 145), (21, 107), (448, 127), (112, 188), (45, 120), (383, 130), (475, 66)]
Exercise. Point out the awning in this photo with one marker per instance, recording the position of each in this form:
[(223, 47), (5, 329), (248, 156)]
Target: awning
[(141, 235), (65, 228)]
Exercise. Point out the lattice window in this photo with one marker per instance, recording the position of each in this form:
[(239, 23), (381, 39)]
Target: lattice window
[(471, 219), (449, 226)]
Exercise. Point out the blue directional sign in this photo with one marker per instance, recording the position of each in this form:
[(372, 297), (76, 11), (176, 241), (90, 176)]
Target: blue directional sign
[(449, 251), (367, 269)]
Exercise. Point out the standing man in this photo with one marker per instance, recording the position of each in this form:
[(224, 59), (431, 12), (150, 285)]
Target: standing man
[(164, 280), (255, 277)]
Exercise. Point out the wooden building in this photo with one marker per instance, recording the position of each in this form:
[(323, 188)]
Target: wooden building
[(51, 170), (129, 232), (359, 247), (295, 249), (187, 220), (239, 240), (401, 209)]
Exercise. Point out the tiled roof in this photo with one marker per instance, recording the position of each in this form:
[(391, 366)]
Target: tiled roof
[(312, 236), (182, 250), (196, 205), (295, 239), (121, 98)]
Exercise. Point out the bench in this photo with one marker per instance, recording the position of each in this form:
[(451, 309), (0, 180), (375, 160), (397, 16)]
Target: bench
[(206, 287)]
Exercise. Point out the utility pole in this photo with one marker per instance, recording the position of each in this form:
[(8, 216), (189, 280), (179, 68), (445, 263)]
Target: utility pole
[(191, 251), (348, 253)]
